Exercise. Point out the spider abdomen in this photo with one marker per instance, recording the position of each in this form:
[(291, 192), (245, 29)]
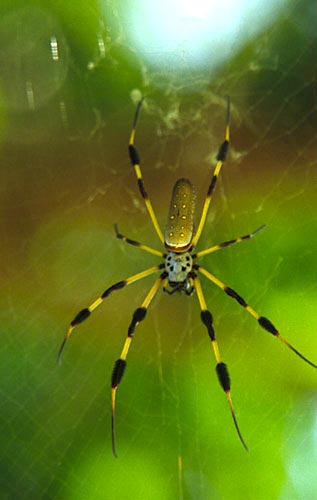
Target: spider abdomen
[(179, 228)]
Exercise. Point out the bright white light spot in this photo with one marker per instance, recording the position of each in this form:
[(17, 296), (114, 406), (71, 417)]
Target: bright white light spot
[(54, 48), (195, 32)]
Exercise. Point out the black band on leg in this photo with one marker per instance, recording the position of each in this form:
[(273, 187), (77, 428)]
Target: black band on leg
[(118, 371), (142, 189), (223, 150), (223, 376), (212, 185), (267, 325), (81, 316), (206, 318), (229, 291), (134, 155), (138, 315), (116, 286)]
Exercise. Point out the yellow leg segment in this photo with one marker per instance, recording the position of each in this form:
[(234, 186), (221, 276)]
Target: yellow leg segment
[(146, 248), (264, 322), (120, 365), (221, 157), (135, 160), (228, 243), (85, 313), (221, 368)]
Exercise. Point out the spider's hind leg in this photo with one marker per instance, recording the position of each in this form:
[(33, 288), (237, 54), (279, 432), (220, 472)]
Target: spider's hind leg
[(120, 364), (221, 367), (264, 322), (87, 311)]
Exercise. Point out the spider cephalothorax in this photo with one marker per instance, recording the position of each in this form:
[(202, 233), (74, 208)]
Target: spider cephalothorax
[(178, 266)]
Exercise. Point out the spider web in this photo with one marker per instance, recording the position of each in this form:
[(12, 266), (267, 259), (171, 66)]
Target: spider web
[(70, 81)]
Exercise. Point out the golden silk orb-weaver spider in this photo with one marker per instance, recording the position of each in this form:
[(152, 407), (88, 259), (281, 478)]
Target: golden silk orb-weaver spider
[(179, 271)]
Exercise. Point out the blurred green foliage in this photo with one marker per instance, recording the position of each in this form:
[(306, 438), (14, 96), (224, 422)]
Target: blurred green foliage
[(66, 178)]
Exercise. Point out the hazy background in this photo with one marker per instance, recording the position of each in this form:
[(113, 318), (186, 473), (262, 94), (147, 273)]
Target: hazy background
[(70, 77)]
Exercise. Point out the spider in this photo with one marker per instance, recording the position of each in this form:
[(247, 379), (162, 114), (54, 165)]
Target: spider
[(179, 271)]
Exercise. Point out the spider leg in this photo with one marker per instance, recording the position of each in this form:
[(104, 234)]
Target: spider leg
[(120, 364), (85, 313), (264, 322), (221, 367), (227, 243), (135, 160), (221, 157), (137, 244)]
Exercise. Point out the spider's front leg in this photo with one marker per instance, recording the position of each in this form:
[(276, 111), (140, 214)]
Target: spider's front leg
[(221, 158), (135, 160)]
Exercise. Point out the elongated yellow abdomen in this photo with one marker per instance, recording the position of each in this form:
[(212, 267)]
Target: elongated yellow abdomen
[(179, 229)]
